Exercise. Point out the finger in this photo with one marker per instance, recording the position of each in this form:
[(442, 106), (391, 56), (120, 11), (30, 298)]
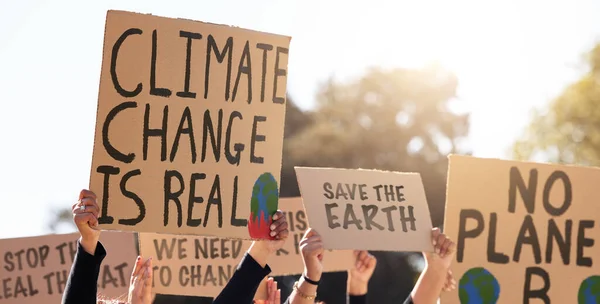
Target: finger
[(314, 247), (363, 255), (87, 193), (283, 235), (435, 232), (89, 203), (444, 249), (372, 262), (356, 253), (279, 215), (273, 292), (148, 282), (310, 232), (439, 240), (88, 209), (359, 265), (451, 247), (279, 230), (312, 239), (136, 268), (278, 297), (83, 218)]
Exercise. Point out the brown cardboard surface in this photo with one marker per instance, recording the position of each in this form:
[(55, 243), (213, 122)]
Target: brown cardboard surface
[(35, 269), (219, 93), (215, 259), (340, 202), (514, 243)]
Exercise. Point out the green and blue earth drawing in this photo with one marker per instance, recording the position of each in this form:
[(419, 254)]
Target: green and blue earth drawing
[(589, 291), (478, 286), (263, 204)]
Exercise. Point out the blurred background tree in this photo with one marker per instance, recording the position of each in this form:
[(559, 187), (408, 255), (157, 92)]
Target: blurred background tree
[(567, 130), (390, 120)]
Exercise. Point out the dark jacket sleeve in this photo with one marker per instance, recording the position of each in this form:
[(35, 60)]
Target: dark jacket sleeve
[(409, 300), (82, 285), (244, 282), (357, 299)]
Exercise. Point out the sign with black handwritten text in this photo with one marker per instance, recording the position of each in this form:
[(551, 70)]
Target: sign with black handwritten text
[(525, 232), (202, 266), (36, 269), (366, 209), (189, 128)]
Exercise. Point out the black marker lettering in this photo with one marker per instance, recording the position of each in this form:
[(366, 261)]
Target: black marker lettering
[(163, 92), (113, 65), (110, 149), (188, 62)]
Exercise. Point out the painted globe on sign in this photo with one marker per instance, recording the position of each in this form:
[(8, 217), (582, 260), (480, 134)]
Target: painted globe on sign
[(263, 204), (589, 291), (478, 286)]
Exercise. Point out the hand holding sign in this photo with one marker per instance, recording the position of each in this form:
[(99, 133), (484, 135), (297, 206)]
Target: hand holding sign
[(85, 216), (260, 250), (312, 254), (444, 248)]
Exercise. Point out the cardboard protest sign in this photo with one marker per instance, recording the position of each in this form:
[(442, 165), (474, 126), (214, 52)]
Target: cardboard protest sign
[(202, 266), (525, 232), (36, 269), (366, 209), (189, 127)]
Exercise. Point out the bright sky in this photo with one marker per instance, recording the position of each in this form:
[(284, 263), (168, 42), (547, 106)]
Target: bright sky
[(509, 56)]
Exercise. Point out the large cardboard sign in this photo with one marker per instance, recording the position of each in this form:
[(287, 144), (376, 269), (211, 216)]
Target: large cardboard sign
[(525, 232), (36, 269), (366, 209), (189, 127), (202, 266)]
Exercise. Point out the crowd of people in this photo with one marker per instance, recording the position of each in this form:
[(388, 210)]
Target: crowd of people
[(253, 268)]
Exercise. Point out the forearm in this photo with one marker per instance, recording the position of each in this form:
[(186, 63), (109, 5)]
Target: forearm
[(89, 244), (303, 293), (81, 285), (242, 286), (429, 286), (259, 252), (357, 288)]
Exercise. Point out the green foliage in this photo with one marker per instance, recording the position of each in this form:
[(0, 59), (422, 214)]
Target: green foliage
[(371, 122), (567, 130)]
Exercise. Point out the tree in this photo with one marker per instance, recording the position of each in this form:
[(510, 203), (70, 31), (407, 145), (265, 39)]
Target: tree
[(391, 120), (567, 130)]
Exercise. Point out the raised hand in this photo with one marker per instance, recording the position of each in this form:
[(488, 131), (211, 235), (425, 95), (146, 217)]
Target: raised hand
[(444, 250), (85, 216), (260, 250), (311, 247), (279, 231), (140, 284), (273, 294), (361, 272)]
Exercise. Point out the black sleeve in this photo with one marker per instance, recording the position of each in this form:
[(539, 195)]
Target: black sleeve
[(409, 300), (82, 285), (244, 282), (357, 299)]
